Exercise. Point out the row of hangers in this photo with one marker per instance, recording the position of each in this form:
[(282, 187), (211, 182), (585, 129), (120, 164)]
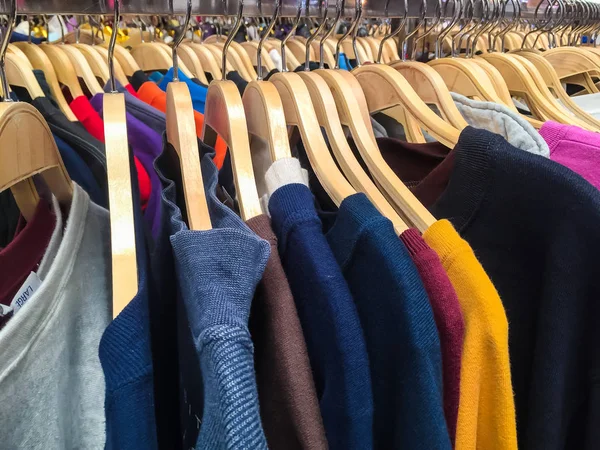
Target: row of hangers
[(305, 102)]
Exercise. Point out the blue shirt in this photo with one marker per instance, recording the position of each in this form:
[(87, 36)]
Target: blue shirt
[(400, 330), (334, 337), (79, 172), (126, 358), (217, 273), (197, 91)]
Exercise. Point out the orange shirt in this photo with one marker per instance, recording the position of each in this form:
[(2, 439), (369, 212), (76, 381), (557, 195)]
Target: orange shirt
[(150, 93)]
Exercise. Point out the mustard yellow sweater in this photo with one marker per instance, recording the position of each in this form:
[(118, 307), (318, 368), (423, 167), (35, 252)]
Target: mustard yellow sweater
[(486, 411)]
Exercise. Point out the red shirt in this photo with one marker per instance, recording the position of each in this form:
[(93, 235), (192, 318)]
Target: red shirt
[(23, 254), (91, 120)]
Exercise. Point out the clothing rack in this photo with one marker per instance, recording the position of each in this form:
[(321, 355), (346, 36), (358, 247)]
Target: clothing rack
[(252, 8)]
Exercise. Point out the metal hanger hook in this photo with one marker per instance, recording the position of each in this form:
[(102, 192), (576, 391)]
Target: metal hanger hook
[(111, 47), (232, 33), (177, 42), (263, 37), (324, 6), (10, 25), (394, 33), (291, 32), (339, 7)]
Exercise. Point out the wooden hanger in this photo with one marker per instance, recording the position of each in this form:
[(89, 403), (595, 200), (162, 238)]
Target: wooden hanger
[(208, 61), (352, 109), (574, 65), (118, 170), (181, 134), (297, 48), (326, 112), (40, 61), (239, 55), (65, 72), (151, 57), (251, 48), (98, 64), (82, 69), (553, 83), (127, 62), (217, 53), (19, 73), (24, 155), (300, 113), (119, 72), (385, 88), (191, 60), (224, 116)]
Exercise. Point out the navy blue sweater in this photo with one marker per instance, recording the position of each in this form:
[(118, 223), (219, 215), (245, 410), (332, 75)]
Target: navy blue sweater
[(400, 331), (534, 226), (334, 338)]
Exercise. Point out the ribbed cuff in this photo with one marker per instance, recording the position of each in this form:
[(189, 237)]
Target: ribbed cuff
[(413, 241), (284, 171)]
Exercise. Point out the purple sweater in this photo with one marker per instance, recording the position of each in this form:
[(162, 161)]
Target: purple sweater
[(575, 148), (448, 319)]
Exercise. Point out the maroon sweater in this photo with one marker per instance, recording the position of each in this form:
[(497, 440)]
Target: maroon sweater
[(448, 319)]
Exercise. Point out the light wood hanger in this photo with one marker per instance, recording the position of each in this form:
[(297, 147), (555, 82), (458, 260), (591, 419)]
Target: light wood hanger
[(297, 48), (265, 116), (191, 60), (427, 83), (326, 111), (82, 69), (181, 134), (118, 170), (206, 58), (553, 83), (19, 74), (224, 116), (575, 66), (39, 60), (127, 62), (239, 55), (251, 48), (119, 72), (217, 53), (352, 109), (65, 72), (300, 113), (98, 64), (24, 155)]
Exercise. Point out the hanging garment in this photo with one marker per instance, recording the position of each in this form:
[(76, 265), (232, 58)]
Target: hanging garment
[(22, 256), (197, 92), (50, 345), (139, 109), (400, 332), (448, 319), (91, 120), (590, 103), (152, 94), (146, 145), (495, 195), (575, 148), (289, 407), (216, 295), (486, 413), (126, 358), (334, 337)]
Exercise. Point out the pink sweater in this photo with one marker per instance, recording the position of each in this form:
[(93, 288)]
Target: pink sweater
[(575, 148)]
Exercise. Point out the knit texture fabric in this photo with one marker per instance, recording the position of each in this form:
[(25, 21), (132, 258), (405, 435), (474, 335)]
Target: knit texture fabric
[(217, 271), (289, 407), (486, 414), (400, 332), (51, 381), (448, 318), (197, 92), (575, 148), (541, 252), (334, 337)]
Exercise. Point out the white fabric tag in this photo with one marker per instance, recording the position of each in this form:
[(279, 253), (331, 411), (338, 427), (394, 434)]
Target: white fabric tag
[(32, 283)]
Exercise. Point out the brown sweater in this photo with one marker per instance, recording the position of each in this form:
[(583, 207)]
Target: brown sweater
[(289, 407)]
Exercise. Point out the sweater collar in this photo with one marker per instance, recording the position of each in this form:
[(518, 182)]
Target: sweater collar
[(469, 179)]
